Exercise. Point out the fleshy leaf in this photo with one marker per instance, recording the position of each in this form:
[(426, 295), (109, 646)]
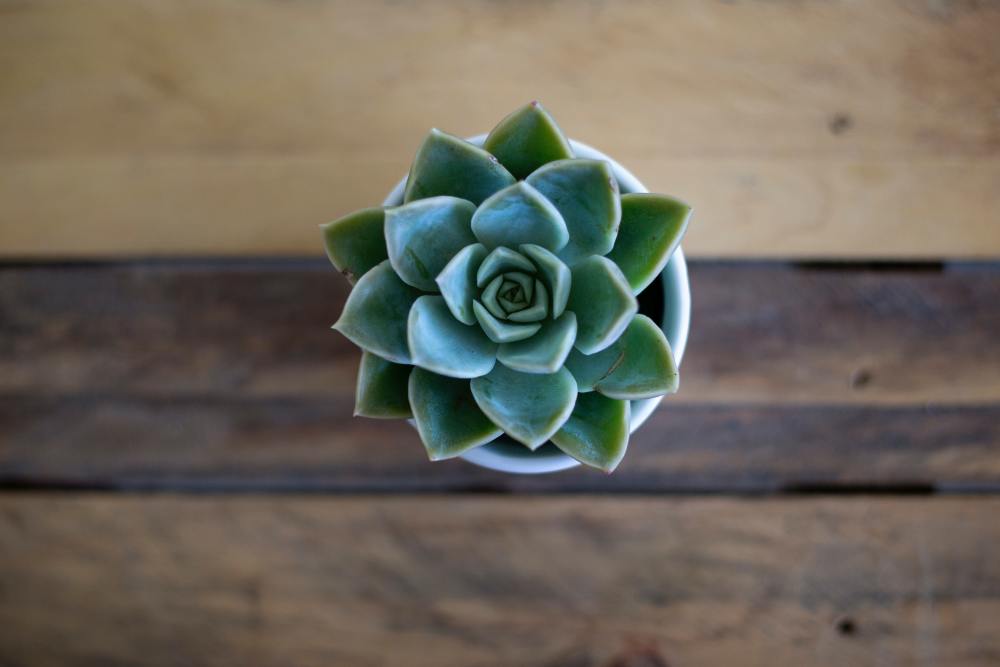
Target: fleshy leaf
[(555, 273), (499, 331), (538, 309), (651, 227), (586, 194), (447, 417), (374, 316), (596, 434), (447, 165), (637, 365), (603, 303), (546, 351), (528, 407), (423, 236), (527, 139), (519, 214), (501, 260), (457, 282), (382, 389), (356, 243), (526, 282), (491, 299), (442, 344)]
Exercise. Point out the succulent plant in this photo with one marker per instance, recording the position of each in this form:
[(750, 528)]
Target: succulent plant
[(500, 297)]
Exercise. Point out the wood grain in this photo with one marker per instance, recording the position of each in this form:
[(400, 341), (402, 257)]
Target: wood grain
[(483, 581), (194, 375), (201, 443), (761, 333), (807, 129)]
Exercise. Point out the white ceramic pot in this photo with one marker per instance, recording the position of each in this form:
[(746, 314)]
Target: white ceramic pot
[(509, 456)]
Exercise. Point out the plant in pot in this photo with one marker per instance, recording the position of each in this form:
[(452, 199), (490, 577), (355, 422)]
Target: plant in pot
[(496, 298)]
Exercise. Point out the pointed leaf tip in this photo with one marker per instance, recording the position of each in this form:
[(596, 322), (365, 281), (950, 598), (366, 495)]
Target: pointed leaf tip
[(447, 165), (441, 344), (527, 139), (519, 214), (585, 193), (603, 302), (356, 243), (637, 365), (596, 433), (423, 236), (457, 282), (651, 229), (448, 419), (375, 314), (382, 389), (529, 408)]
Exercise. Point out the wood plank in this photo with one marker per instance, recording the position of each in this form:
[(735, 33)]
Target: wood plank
[(201, 443), (810, 129), (162, 580), (208, 375), (762, 333)]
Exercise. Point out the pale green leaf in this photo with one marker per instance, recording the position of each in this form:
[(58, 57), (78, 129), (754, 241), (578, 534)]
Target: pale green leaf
[(447, 417), (528, 407), (447, 165), (442, 344), (375, 314), (382, 388)]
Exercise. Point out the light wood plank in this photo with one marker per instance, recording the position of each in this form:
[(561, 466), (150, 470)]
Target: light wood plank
[(491, 581), (811, 129)]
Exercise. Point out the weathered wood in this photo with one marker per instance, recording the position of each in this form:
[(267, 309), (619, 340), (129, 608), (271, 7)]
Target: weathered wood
[(208, 375), (200, 443), (795, 129), (484, 581), (761, 333)]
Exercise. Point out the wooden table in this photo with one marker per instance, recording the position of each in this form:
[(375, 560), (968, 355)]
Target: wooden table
[(183, 484)]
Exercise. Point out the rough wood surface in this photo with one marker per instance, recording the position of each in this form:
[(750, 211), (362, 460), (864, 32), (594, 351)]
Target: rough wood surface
[(483, 581), (809, 128), (208, 375)]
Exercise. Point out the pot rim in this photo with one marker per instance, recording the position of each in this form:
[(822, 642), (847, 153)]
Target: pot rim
[(677, 295)]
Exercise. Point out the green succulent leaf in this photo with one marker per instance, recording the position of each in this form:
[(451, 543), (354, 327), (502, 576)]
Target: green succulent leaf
[(447, 165), (638, 365), (491, 299), (502, 332), (457, 282), (501, 260), (586, 194), (555, 273), (527, 139), (546, 351), (596, 434), (382, 389), (447, 417), (356, 243), (538, 309), (375, 314), (528, 407), (440, 343), (603, 303), (652, 226), (424, 235), (519, 214)]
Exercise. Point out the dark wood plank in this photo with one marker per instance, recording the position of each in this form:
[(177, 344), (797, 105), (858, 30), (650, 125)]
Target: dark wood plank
[(299, 444), (164, 581), (761, 332), (199, 375)]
